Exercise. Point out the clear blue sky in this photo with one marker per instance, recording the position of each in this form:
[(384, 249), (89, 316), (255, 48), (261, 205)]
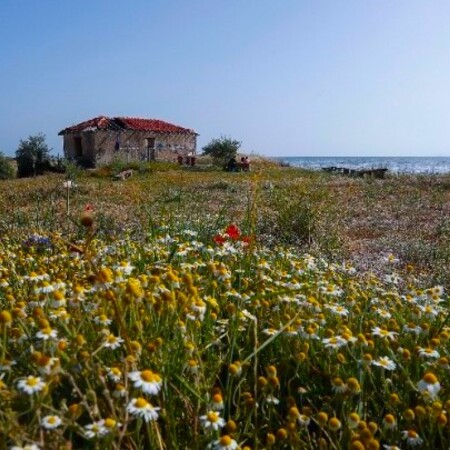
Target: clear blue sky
[(286, 77)]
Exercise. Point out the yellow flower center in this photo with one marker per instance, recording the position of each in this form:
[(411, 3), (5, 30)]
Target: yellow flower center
[(5, 317), (58, 295), (224, 441), (213, 416), (334, 424), (353, 384), (430, 378), (32, 381), (44, 360), (110, 423), (141, 402), (150, 377)]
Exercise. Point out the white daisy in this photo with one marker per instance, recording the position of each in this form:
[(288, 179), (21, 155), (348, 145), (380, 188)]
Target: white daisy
[(412, 328), (102, 319), (412, 438), (139, 407), (212, 421), (114, 374), (381, 332), (47, 333), (31, 384), (96, 429), (303, 420), (112, 342), (338, 310), (334, 342), (429, 353), (119, 391), (51, 422), (270, 331), (225, 443), (272, 399), (385, 362), (429, 386), (148, 381)]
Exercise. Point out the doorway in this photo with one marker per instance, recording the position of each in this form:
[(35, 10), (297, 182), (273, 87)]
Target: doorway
[(78, 147), (151, 153)]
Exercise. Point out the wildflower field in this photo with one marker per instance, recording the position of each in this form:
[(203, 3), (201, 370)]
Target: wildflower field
[(191, 309)]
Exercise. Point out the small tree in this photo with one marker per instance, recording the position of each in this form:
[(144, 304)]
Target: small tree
[(33, 156), (222, 149), (6, 169)]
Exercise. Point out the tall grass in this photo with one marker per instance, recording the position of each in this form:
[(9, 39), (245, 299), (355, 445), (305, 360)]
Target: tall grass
[(217, 311)]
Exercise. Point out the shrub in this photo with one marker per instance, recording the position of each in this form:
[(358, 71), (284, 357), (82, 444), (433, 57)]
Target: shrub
[(222, 149), (6, 169), (33, 156)]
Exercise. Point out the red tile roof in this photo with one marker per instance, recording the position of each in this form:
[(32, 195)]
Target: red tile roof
[(126, 123)]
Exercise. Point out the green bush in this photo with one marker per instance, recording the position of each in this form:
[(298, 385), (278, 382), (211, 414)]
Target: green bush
[(33, 156), (6, 169), (222, 149)]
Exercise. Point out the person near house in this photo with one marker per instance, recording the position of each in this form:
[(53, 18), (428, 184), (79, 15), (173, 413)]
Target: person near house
[(232, 165), (245, 163)]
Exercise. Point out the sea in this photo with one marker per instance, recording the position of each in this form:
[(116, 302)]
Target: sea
[(395, 165)]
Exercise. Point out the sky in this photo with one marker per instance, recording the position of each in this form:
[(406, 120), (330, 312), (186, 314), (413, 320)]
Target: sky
[(285, 77)]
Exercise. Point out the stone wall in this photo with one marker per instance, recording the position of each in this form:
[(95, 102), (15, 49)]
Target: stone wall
[(101, 147), (72, 147)]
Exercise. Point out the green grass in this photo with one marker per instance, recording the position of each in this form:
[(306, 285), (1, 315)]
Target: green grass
[(285, 322)]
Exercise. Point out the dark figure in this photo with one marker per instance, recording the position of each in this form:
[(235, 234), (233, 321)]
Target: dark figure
[(180, 160), (232, 165)]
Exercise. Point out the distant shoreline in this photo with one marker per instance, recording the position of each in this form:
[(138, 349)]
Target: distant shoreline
[(394, 164)]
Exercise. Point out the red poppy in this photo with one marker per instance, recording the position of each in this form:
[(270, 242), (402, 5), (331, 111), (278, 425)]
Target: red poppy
[(219, 239), (89, 207), (246, 239), (233, 231)]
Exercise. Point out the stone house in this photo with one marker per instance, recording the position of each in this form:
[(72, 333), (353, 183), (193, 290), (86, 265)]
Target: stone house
[(102, 139)]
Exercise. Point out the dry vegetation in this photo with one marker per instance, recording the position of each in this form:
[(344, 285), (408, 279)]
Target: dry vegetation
[(360, 220), (190, 308)]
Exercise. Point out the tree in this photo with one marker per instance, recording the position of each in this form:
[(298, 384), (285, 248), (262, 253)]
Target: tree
[(6, 168), (222, 149), (33, 156)]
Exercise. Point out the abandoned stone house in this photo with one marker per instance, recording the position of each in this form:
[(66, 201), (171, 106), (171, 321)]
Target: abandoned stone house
[(102, 139)]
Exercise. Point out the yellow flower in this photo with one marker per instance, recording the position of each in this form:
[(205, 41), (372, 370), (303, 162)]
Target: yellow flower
[(389, 422), (5, 318), (353, 420), (322, 418), (353, 386), (334, 424)]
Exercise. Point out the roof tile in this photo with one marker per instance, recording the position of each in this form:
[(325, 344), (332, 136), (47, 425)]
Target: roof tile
[(126, 123)]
